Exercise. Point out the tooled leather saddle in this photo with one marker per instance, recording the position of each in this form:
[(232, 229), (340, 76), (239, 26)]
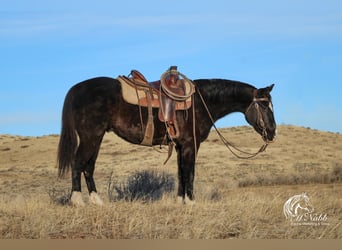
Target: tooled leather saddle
[(171, 93)]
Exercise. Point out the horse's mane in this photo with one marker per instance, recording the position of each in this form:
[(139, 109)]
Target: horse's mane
[(220, 89), (295, 199)]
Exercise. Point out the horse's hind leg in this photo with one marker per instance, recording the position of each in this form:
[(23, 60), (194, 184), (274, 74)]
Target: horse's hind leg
[(76, 195), (86, 156), (89, 177)]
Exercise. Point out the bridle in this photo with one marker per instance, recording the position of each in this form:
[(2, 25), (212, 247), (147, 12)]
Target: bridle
[(260, 123), (260, 119)]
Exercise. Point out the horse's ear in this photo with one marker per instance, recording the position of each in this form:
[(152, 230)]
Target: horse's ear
[(266, 90), (269, 88)]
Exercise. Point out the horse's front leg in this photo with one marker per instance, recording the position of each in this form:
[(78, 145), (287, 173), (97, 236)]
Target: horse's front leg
[(186, 157)]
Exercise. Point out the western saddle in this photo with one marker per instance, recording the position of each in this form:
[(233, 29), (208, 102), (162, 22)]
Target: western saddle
[(171, 93)]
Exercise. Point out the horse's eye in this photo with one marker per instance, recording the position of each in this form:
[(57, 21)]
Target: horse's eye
[(265, 105)]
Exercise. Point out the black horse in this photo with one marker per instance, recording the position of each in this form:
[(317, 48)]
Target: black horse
[(96, 106)]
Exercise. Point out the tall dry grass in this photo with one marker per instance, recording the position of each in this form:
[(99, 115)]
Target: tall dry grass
[(244, 214)]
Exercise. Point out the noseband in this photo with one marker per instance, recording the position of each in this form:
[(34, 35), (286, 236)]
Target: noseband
[(260, 119)]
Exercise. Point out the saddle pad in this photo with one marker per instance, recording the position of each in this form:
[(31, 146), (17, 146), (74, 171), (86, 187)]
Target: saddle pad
[(132, 94)]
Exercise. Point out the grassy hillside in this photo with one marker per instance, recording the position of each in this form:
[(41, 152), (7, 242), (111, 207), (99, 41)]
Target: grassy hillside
[(234, 198)]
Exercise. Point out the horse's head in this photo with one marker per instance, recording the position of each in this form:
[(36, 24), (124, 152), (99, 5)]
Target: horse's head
[(260, 115), (305, 204)]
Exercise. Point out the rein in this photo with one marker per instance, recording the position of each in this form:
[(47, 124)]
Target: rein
[(228, 144)]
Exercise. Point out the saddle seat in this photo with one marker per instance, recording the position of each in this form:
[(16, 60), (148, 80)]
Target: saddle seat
[(169, 94)]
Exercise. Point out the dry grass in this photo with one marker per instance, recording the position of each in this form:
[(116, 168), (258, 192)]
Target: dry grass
[(295, 178), (234, 198)]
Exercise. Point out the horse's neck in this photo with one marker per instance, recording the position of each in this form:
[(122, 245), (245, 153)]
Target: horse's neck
[(224, 96)]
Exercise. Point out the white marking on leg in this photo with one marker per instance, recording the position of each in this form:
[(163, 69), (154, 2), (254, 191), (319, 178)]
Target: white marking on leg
[(180, 200), (76, 199), (95, 199), (187, 201)]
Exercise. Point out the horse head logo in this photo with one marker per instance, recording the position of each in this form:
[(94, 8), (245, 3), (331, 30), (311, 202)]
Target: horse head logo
[(297, 205)]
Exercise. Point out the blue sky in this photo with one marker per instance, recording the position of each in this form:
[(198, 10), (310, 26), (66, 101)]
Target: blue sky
[(48, 46)]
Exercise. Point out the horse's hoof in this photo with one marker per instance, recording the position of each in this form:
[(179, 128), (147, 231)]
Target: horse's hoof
[(95, 199), (180, 200), (185, 201), (76, 199)]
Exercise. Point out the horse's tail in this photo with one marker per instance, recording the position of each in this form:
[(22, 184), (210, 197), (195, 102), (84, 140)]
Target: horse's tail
[(68, 139)]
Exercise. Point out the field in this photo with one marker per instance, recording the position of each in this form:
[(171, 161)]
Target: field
[(235, 198)]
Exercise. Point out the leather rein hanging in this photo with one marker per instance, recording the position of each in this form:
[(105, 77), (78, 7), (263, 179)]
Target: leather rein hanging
[(260, 123)]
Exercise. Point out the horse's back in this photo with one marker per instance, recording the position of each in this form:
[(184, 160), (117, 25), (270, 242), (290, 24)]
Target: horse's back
[(93, 91), (99, 86)]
